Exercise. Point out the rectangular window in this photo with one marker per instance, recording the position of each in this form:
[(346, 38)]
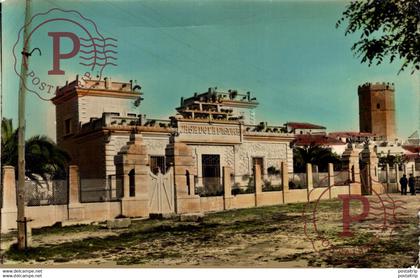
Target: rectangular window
[(157, 163), (67, 127)]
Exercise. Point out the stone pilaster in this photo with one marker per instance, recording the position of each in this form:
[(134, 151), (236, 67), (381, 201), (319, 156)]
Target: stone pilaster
[(180, 156), (369, 157), (134, 157), (350, 160)]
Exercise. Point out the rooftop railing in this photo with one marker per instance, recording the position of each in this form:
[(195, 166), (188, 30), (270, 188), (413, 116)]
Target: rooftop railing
[(115, 120), (263, 128)]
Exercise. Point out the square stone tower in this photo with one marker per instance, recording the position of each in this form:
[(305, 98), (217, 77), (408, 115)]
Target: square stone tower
[(377, 110), (84, 104)]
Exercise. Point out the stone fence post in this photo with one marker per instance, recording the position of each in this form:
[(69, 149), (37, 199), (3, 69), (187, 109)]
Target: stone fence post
[(285, 178), (9, 188), (330, 178), (388, 175), (227, 187), (9, 209), (309, 179), (74, 207), (258, 182), (397, 174), (74, 186), (350, 160)]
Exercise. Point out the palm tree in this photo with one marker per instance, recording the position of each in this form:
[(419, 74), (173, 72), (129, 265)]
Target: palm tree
[(43, 158), (315, 155)]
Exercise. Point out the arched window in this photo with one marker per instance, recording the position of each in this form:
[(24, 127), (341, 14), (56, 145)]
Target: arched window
[(378, 106), (132, 183)]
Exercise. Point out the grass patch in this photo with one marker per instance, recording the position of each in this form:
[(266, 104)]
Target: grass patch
[(57, 229), (227, 237)]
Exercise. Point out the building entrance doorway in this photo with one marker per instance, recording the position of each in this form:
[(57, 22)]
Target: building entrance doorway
[(210, 171)]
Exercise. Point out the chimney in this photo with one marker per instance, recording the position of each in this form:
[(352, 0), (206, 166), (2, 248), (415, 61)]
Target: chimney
[(107, 83)]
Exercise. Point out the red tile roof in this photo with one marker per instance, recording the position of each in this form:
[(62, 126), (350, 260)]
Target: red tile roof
[(346, 134), (412, 148), (320, 140), (296, 125)]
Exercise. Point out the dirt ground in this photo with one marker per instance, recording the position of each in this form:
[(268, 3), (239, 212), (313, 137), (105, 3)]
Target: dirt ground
[(274, 236)]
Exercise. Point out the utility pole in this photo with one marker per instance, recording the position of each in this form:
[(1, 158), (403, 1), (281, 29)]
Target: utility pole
[(21, 219), (1, 114)]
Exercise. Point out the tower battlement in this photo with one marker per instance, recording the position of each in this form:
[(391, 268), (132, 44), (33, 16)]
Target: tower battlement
[(378, 86)]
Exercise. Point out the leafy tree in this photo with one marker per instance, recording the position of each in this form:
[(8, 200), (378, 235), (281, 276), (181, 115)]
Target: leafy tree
[(392, 160), (388, 28), (316, 155), (43, 158)]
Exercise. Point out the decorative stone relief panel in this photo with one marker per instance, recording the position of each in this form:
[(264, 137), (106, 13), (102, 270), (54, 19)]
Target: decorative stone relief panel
[(119, 141), (156, 146), (116, 142), (226, 153), (272, 154), (227, 157)]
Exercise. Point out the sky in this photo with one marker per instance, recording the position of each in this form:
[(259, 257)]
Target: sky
[(288, 54)]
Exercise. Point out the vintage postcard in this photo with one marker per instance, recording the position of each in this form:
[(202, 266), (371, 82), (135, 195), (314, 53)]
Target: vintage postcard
[(210, 134)]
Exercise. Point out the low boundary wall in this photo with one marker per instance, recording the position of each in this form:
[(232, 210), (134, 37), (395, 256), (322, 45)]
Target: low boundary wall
[(75, 212)]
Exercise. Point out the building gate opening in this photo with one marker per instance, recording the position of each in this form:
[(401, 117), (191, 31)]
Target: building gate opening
[(211, 172)]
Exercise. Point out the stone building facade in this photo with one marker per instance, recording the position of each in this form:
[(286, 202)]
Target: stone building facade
[(95, 120), (377, 110)]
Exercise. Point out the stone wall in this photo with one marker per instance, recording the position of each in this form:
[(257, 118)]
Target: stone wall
[(134, 154)]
